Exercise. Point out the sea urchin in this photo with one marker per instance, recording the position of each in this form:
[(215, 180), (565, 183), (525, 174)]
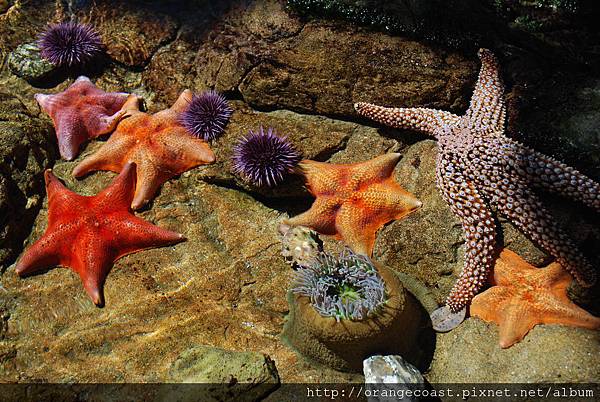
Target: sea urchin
[(207, 115), (344, 287), (264, 158), (69, 44)]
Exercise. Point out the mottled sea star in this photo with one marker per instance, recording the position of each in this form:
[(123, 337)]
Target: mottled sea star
[(481, 171)]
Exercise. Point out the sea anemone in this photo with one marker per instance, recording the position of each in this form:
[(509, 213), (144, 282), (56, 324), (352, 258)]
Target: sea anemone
[(69, 44), (264, 158), (344, 287), (207, 115)]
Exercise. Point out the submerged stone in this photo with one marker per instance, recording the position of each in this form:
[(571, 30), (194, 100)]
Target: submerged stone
[(27, 62)]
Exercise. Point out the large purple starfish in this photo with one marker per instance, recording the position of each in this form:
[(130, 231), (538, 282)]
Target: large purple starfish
[(480, 171)]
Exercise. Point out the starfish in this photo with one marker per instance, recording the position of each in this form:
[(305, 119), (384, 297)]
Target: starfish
[(480, 171), (525, 296), (353, 201), (159, 145), (87, 234), (81, 112)]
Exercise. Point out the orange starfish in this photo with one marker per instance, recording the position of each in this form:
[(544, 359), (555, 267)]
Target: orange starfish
[(353, 201), (87, 234), (525, 296), (158, 144)]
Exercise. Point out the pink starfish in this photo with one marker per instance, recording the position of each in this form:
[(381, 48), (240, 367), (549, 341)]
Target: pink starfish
[(81, 112)]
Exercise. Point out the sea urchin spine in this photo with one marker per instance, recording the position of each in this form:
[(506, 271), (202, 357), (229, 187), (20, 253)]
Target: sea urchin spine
[(207, 115), (264, 158), (70, 44)]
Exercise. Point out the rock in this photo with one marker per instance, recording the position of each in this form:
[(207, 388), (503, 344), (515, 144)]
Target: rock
[(472, 351), (303, 74), (315, 136), (131, 33), (26, 151), (249, 376), (279, 63), (26, 62), (391, 369), (226, 284)]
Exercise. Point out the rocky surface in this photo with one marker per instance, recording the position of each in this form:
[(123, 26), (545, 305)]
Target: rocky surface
[(250, 375), (225, 287), (26, 62), (25, 151), (548, 354)]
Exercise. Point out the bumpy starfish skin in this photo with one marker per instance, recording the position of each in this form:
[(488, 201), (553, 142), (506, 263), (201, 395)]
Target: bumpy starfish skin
[(480, 170), (525, 296), (82, 112), (157, 143), (87, 234), (353, 201)]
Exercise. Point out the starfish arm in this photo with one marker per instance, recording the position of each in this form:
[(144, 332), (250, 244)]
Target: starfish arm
[(388, 201), (111, 156), (71, 133), (61, 200), (171, 115), (478, 226), (111, 101), (102, 124), (92, 262), (48, 103), (526, 211), (516, 322), (44, 253), (374, 170), (133, 234), (513, 319), (184, 151), (119, 194), (321, 177), (320, 217), (554, 176), (568, 313), (149, 179), (131, 105), (357, 229), (487, 111), (182, 102), (428, 121)]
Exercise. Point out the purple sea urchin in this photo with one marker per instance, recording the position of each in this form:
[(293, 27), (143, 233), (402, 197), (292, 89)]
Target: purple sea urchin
[(207, 115), (344, 287), (69, 44), (264, 158)]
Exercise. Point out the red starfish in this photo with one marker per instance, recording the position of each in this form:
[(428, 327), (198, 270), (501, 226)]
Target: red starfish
[(82, 112), (160, 146), (87, 234), (525, 296), (354, 200)]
